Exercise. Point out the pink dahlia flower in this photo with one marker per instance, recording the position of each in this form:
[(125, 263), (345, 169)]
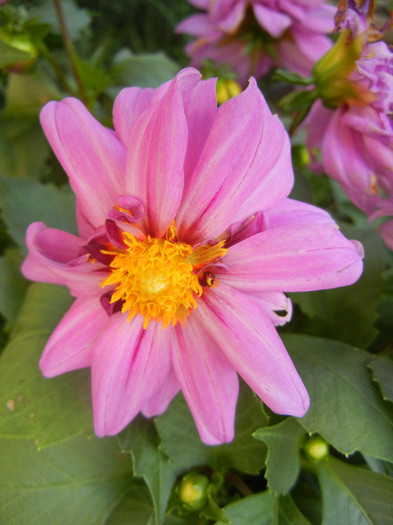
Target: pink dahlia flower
[(254, 36), (355, 134), (186, 242)]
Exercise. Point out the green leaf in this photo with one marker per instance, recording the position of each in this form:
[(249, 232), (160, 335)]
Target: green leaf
[(12, 284), (27, 93), (31, 406), (24, 149), (353, 495), (76, 481), (181, 441), (283, 455), (27, 201), (141, 441), (258, 509), (10, 55), (382, 372), (346, 408), (135, 508), (289, 513), (144, 70), (77, 19)]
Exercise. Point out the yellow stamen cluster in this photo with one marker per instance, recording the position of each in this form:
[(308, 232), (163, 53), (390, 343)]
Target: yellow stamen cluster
[(156, 278)]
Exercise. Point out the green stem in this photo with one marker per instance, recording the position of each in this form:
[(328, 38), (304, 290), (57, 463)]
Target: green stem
[(238, 483), (56, 67), (69, 48)]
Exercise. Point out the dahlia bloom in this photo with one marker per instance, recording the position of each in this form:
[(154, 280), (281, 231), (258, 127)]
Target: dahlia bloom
[(186, 242), (355, 134), (254, 36)]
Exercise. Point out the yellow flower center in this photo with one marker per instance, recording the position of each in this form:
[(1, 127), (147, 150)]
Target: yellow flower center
[(158, 278)]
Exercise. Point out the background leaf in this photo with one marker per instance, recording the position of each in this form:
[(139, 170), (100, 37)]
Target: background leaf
[(76, 481), (382, 372), (346, 408), (31, 406), (141, 441), (258, 509), (13, 285), (181, 441), (353, 495), (283, 455), (25, 202)]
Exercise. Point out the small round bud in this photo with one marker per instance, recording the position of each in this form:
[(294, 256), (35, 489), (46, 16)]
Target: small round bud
[(227, 89), (316, 448), (193, 490)]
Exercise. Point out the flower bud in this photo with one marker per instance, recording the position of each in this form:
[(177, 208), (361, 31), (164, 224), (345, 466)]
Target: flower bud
[(227, 89), (332, 73), (193, 490), (316, 448)]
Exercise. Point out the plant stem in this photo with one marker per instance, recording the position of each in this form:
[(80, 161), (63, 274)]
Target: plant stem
[(69, 48), (238, 483)]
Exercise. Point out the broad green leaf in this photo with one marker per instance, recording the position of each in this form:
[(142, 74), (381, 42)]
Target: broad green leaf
[(346, 408), (27, 93), (12, 284), (283, 455), (144, 70), (289, 513), (258, 509), (353, 495), (181, 441), (27, 201), (382, 372), (24, 149), (77, 19), (76, 481), (31, 406), (135, 508), (10, 55), (141, 441)]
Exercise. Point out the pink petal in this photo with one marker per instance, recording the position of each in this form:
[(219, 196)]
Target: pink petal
[(68, 348), (91, 155), (241, 169), (272, 20), (129, 365), (251, 344), (294, 258), (160, 399), (157, 148), (199, 26), (228, 18), (200, 106), (344, 160), (290, 211), (209, 383), (129, 104), (54, 258)]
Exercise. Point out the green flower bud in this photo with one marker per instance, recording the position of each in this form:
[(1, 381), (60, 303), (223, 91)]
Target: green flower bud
[(227, 89), (193, 490), (332, 73), (316, 448)]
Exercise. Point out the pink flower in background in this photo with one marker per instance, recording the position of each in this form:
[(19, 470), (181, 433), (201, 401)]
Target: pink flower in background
[(186, 243), (355, 134), (254, 36)]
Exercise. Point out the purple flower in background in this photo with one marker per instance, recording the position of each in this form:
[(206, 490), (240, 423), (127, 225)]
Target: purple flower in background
[(254, 36), (186, 243), (352, 125)]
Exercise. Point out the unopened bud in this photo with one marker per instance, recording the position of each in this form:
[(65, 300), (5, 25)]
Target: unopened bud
[(316, 448), (227, 89), (194, 490)]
